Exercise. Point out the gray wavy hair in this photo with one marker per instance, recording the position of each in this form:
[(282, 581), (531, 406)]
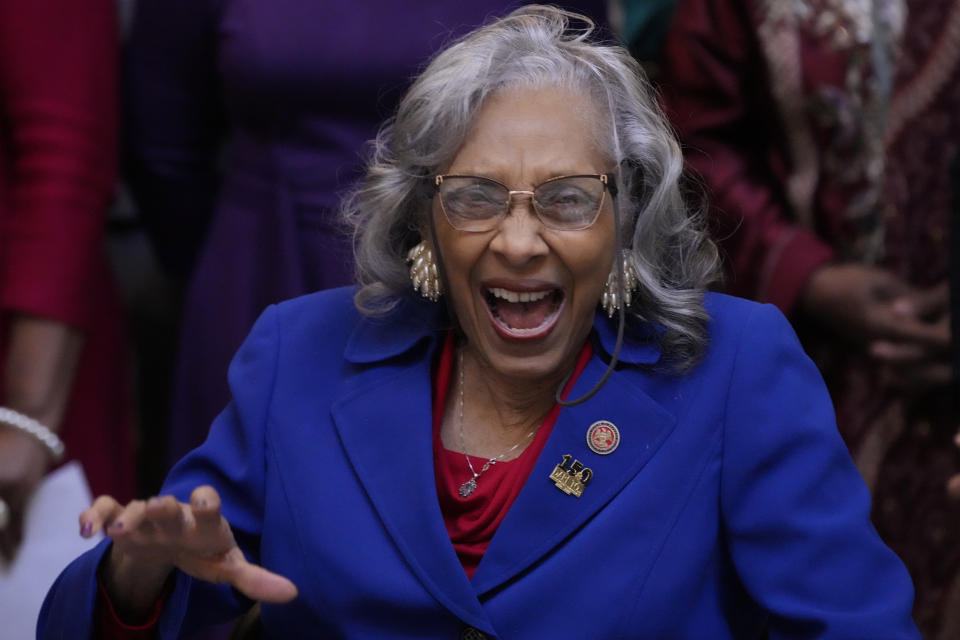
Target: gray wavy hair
[(540, 46)]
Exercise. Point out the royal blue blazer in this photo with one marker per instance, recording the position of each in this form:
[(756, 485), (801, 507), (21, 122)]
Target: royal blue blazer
[(730, 509)]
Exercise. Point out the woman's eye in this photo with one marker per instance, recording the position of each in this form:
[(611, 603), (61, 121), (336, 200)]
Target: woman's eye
[(473, 201), (473, 195), (569, 198), (479, 196), (566, 198)]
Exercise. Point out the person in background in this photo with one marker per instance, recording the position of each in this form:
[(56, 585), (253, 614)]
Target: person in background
[(824, 133), (643, 26), (246, 123), (64, 387), (528, 406)]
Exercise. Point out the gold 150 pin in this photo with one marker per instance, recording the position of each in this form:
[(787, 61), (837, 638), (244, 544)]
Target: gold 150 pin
[(572, 479)]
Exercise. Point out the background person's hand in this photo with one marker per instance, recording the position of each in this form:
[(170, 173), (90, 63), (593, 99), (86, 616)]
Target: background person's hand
[(23, 463), (920, 357), (855, 301), (152, 537), (907, 330), (953, 485), (36, 376)]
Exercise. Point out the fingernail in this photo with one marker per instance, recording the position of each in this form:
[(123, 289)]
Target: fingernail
[(116, 526), (202, 503), (879, 349), (903, 307), (86, 529)]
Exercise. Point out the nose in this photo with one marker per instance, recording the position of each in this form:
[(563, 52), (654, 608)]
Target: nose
[(519, 238)]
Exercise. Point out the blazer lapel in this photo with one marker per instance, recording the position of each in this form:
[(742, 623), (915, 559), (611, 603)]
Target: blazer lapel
[(542, 515), (384, 421)]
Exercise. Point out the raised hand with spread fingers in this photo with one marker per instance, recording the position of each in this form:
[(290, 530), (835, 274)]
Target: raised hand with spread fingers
[(152, 537)]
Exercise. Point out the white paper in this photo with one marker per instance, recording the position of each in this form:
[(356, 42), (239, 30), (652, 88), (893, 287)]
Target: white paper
[(51, 541)]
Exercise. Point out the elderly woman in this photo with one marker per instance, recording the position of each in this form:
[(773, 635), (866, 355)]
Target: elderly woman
[(485, 452)]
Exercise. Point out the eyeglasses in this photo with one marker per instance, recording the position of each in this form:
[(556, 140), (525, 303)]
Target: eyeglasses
[(564, 203)]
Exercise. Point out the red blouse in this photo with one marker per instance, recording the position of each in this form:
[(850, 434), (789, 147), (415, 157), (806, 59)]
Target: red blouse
[(472, 521)]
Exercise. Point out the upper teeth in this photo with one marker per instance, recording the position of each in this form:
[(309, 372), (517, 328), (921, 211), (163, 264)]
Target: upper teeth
[(519, 296)]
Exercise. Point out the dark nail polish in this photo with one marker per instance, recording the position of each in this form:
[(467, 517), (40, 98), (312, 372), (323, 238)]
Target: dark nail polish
[(86, 529)]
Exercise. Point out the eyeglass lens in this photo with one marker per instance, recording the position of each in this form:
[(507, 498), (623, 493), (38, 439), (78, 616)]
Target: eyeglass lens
[(477, 204)]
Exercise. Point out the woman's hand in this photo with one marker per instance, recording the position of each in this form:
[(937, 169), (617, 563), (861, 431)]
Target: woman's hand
[(152, 537), (23, 463)]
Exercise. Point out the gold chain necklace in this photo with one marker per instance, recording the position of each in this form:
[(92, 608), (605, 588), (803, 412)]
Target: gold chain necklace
[(470, 485)]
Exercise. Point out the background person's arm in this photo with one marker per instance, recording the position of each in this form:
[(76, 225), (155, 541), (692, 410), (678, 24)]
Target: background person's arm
[(716, 93), (58, 120), (719, 97)]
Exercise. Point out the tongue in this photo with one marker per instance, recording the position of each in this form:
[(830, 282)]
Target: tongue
[(524, 315)]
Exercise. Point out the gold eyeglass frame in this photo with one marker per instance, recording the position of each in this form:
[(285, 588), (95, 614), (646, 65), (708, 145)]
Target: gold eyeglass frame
[(607, 179)]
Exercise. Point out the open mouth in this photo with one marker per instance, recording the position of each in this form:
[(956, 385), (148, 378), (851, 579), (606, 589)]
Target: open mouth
[(523, 314)]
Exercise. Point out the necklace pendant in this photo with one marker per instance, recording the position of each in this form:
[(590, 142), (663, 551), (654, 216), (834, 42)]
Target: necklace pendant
[(468, 487)]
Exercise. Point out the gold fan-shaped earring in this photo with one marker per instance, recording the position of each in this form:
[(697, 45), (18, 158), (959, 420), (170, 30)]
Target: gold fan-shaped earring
[(423, 271), (610, 300)]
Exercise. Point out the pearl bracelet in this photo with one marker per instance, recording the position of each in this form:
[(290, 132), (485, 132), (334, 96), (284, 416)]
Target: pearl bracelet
[(28, 425)]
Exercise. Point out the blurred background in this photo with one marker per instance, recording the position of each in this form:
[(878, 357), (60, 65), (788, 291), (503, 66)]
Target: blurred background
[(168, 168)]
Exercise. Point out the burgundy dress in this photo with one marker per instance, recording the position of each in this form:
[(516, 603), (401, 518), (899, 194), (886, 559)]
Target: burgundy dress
[(825, 129), (57, 177), (248, 120)]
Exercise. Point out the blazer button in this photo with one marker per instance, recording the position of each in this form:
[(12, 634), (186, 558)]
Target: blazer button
[(472, 633)]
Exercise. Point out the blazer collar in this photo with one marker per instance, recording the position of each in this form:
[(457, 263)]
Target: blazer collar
[(376, 339), (415, 319)]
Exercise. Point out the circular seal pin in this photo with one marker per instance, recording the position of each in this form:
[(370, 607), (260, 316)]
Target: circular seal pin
[(603, 437)]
